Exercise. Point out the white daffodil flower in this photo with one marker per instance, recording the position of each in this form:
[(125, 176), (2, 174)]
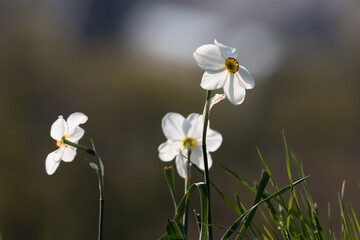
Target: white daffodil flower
[(182, 133), (222, 70), (70, 131)]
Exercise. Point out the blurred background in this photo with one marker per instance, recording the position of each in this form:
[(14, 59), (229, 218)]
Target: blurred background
[(127, 63)]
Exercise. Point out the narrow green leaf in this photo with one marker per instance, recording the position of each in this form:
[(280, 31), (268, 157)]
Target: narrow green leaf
[(241, 218), (244, 181), (263, 182), (227, 200), (204, 205), (355, 218), (169, 176), (173, 231)]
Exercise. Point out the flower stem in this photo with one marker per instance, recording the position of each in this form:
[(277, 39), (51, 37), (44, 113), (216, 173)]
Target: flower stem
[(187, 186), (206, 165), (100, 173)]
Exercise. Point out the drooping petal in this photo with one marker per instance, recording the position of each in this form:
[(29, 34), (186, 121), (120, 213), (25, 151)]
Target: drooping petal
[(180, 165), (74, 120), (76, 135), (208, 57), (233, 90), (168, 150), (226, 51), (213, 140), (58, 129), (197, 122), (69, 154), (172, 126), (58, 153), (212, 80), (245, 77), (50, 164)]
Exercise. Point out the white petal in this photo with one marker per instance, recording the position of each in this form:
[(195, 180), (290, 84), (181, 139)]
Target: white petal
[(74, 120), (198, 159), (244, 75), (212, 80), (213, 140), (172, 126), (69, 154), (180, 165), (77, 135), (196, 129), (226, 51), (58, 154), (50, 164), (208, 57), (196, 156), (168, 150), (233, 90), (58, 129)]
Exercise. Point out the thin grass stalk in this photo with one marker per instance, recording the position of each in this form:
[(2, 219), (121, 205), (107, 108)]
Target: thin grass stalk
[(206, 165), (100, 174), (187, 186)]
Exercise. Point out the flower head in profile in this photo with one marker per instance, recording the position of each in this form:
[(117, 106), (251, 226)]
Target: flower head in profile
[(61, 130), (183, 133), (222, 70)]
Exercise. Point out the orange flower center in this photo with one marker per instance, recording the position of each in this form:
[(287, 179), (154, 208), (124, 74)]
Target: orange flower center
[(232, 65)]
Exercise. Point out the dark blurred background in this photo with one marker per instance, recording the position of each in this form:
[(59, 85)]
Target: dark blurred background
[(127, 63)]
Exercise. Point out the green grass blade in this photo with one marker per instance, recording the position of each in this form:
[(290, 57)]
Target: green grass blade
[(278, 193), (227, 200), (355, 218), (201, 187), (263, 183), (247, 183), (287, 158), (173, 231), (169, 176), (204, 206)]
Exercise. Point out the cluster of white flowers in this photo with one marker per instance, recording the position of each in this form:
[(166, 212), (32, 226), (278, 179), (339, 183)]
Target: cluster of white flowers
[(222, 70)]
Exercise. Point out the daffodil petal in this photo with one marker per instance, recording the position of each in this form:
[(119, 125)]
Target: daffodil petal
[(213, 140), (196, 156), (69, 154), (212, 80), (196, 129), (208, 57), (76, 135), (245, 77), (50, 164), (58, 129), (180, 165), (233, 90), (74, 120), (172, 126), (226, 51), (58, 154), (168, 151)]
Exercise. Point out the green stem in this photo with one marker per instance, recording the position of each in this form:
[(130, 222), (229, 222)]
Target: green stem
[(187, 186), (206, 166), (100, 175)]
